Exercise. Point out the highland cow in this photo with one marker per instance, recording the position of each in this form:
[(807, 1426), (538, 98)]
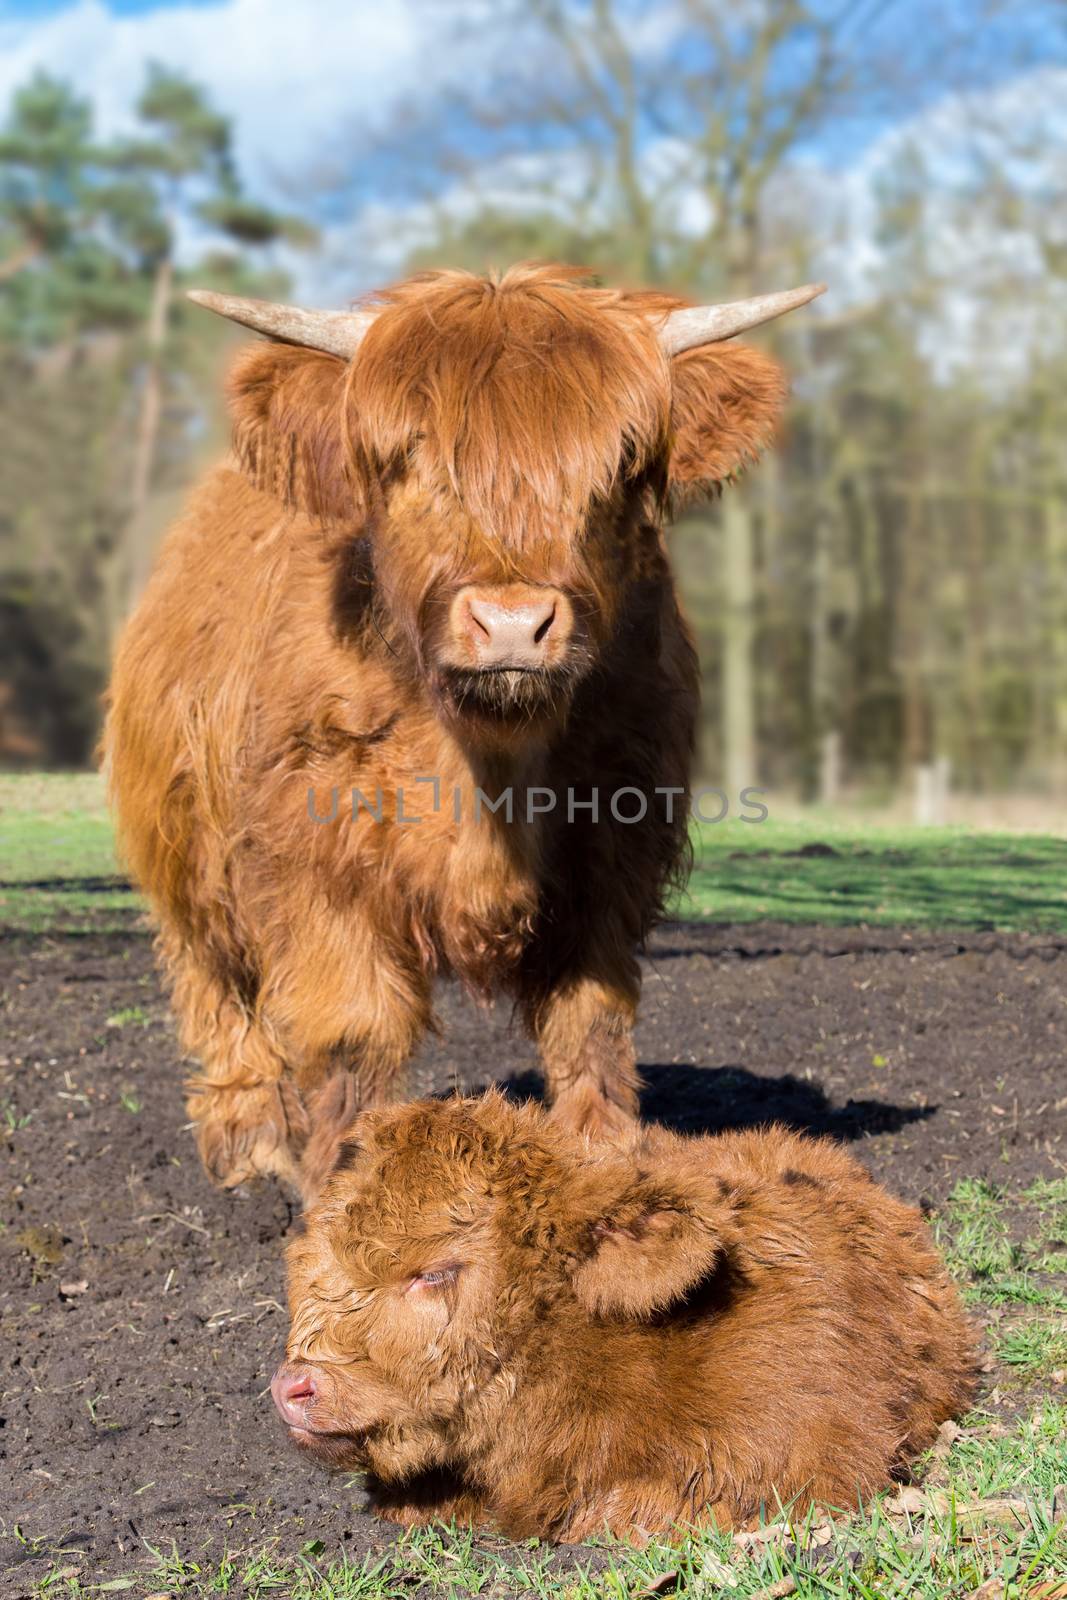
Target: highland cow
[(433, 579), (509, 1324)]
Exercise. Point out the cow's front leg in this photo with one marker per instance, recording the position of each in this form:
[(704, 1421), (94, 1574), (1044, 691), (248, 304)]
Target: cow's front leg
[(584, 1029), (353, 1007)]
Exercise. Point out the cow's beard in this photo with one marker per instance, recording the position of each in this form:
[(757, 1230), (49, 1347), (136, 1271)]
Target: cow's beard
[(506, 697)]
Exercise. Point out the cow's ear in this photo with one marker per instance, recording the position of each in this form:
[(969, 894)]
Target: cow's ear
[(289, 429), (654, 1243), (725, 405)]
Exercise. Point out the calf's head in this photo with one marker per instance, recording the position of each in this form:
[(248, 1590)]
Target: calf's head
[(502, 450), (461, 1251)]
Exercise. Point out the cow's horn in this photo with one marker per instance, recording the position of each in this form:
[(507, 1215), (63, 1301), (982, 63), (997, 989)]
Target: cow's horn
[(682, 330), (337, 332)]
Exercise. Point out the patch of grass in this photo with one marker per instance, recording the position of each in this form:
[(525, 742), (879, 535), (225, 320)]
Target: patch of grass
[(55, 825), (1022, 1288), (991, 1522), (59, 872), (1035, 1347), (987, 1461), (972, 1232), (12, 1119), (1047, 1195), (907, 877), (1019, 1285), (1000, 1244), (129, 1015)]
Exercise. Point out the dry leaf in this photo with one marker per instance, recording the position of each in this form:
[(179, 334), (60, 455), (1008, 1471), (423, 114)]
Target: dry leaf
[(1048, 1591), (947, 1435), (1002, 1513), (918, 1503), (991, 1589), (69, 1289), (769, 1533), (666, 1583), (776, 1591), (714, 1570), (820, 1535), (907, 1501), (1059, 1502)]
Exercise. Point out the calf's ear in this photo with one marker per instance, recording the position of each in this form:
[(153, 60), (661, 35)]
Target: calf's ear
[(726, 402), (654, 1243), (290, 429)]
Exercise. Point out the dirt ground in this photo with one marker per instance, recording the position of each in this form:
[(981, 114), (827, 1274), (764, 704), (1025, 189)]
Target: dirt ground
[(141, 1309)]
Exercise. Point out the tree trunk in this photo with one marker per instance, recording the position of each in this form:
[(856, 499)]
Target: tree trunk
[(739, 638), (1054, 530), (21, 258), (821, 688), (976, 621), (138, 543), (912, 599)]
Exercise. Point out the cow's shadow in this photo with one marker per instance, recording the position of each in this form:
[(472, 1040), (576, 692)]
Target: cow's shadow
[(714, 1099)]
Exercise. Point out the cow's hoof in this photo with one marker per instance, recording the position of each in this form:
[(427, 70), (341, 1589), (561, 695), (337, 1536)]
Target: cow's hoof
[(247, 1133)]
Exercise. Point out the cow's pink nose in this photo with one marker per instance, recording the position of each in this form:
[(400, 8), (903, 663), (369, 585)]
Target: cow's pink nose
[(513, 625), (292, 1390)]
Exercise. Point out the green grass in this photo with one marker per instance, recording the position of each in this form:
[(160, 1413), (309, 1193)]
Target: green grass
[(908, 877), (1036, 1347), (984, 1512), (987, 1233), (59, 873)]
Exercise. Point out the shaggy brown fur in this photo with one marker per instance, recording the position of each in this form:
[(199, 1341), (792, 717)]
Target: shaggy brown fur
[(508, 1324), (512, 437)]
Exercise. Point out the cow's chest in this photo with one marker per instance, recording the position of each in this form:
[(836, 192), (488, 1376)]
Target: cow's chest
[(443, 853), (473, 878)]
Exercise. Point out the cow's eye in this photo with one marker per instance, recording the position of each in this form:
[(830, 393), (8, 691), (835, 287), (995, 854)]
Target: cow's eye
[(434, 1277)]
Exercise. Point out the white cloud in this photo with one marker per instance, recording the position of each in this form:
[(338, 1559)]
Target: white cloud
[(291, 73), (966, 154), (283, 70)]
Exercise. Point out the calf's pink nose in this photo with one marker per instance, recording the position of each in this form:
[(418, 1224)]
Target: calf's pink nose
[(292, 1389)]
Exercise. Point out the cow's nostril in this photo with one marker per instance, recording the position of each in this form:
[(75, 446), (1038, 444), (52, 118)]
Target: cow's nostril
[(543, 629), (293, 1390), (299, 1388), (481, 622)]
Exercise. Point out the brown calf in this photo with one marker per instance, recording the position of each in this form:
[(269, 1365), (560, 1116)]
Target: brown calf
[(507, 1324)]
